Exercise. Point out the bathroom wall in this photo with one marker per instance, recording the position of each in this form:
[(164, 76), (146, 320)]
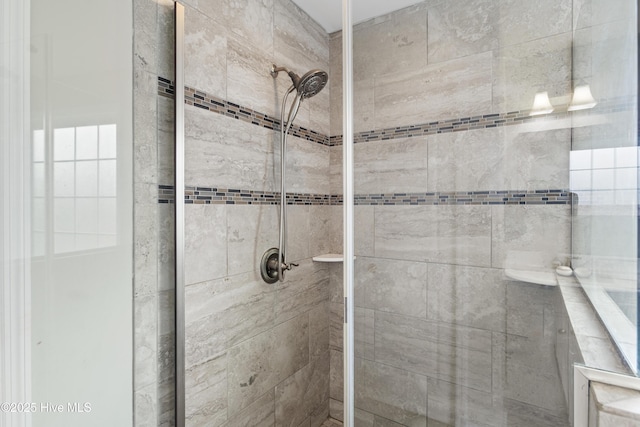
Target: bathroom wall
[(153, 221), (455, 184), (255, 352)]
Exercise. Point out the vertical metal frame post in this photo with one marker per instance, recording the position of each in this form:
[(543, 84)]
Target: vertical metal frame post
[(348, 211)]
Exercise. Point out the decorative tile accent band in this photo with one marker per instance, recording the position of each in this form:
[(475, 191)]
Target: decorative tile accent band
[(229, 196), (208, 102), (471, 123), (506, 197), (221, 196), (217, 105)]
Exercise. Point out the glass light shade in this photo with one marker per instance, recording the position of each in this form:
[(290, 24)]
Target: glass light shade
[(541, 104), (582, 99)]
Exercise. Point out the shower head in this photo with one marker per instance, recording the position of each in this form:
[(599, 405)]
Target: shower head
[(309, 84)]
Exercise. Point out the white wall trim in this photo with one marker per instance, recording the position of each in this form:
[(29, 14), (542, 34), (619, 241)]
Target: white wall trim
[(15, 337), (582, 377)]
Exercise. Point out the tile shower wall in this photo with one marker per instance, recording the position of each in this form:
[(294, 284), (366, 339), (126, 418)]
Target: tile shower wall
[(256, 354), (153, 222), (443, 337)]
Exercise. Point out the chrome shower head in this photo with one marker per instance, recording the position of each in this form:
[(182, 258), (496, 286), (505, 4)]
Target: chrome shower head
[(309, 84)]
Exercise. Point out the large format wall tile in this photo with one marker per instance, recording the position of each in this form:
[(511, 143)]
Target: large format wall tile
[(364, 230), (395, 394), (536, 159), (324, 224), (335, 83), (206, 392), (249, 81), (452, 404), (530, 237), (416, 345), (298, 40), (166, 140), (166, 37), (587, 13), (467, 295), (447, 90), (206, 243), (390, 42), (444, 234), (307, 166), (145, 266), (520, 71), (336, 185), (227, 153), (145, 43), (319, 330), (258, 364), (467, 161), (252, 20), (319, 115), (460, 28), (304, 288), (290, 409), (260, 413), (297, 232), (251, 231), (302, 395), (146, 339), (227, 311), (205, 43), (523, 157), (392, 286), (598, 51), (393, 166)]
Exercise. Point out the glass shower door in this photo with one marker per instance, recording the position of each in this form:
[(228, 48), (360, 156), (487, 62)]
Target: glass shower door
[(462, 213)]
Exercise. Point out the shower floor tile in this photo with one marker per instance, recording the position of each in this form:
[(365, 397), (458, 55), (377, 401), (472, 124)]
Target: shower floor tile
[(331, 423)]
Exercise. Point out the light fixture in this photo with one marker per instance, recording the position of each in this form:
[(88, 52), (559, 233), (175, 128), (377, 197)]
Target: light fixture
[(582, 99), (541, 104)]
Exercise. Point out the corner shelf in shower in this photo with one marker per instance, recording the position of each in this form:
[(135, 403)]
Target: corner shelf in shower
[(329, 258), (541, 277)]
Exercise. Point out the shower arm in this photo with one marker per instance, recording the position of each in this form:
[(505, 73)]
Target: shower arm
[(284, 129)]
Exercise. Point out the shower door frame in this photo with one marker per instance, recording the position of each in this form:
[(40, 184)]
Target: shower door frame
[(348, 216)]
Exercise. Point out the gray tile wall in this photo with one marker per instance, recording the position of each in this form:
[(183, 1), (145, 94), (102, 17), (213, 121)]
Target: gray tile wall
[(257, 354), (443, 337), (153, 222)]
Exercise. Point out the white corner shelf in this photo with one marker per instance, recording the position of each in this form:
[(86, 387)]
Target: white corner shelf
[(543, 277), (329, 258)]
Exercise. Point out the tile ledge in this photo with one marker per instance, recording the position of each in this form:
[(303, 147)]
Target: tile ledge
[(617, 400), (578, 307)]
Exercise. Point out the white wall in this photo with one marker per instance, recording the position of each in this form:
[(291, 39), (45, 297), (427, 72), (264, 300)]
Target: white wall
[(81, 55)]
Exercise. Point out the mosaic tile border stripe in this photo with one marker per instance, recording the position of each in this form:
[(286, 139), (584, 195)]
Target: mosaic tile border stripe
[(205, 101), (229, 196), (470, 123), (212, 103), (536, 197), (225, 196)]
